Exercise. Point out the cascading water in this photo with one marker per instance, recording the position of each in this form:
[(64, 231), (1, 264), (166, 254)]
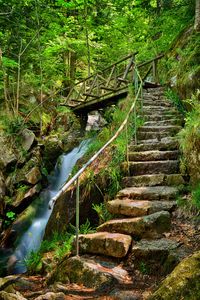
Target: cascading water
[(31, 238)]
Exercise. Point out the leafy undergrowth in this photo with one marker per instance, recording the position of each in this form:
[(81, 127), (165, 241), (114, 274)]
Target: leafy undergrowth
[(59, 246)]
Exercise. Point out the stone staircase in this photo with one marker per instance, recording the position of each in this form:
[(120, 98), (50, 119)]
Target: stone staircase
[(143, 206)]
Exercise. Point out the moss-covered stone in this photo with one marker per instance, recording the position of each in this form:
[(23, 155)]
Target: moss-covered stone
[(183, 282), (89, 272)]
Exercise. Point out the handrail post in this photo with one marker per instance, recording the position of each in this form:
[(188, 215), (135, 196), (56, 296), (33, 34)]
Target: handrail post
[(77, 215), (127, 154), (141, 98), (136, 90), (155, 73)]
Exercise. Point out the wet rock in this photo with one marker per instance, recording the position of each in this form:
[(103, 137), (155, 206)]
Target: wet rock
[(91, 272), (33, 176), (23, 197), (7, 154), (29, 173), (111, 244), (95, 121), (53, 147), (28, 138), (151, 226), (183, 282), (51, 296)]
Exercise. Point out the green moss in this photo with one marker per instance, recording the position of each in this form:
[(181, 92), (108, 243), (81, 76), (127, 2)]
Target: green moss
[(183, 282)]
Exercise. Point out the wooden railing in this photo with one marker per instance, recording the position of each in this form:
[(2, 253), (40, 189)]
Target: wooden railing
[(112, 80), (104, 83)]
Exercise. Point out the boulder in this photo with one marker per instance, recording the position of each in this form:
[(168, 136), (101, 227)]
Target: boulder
[(91, 272), (28, 138), (7, 154), (53, 147), (111, 244), (29, 173), (22, 197), (183, 282), (160, 255), (33, 176)]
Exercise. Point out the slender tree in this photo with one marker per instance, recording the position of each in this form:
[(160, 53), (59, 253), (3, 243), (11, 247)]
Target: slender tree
[(197, 16)]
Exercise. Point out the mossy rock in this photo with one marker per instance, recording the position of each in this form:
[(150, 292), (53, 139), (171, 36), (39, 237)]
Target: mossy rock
[(183, 282)]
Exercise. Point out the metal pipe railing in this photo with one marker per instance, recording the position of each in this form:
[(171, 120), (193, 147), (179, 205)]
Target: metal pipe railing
[(75, 178)]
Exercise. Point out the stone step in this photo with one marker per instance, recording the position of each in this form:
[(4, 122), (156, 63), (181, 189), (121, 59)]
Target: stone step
[(160, 103), (145, 249), (92, 272), (151, 226), (153, 180), (169, 143), (149, 193), (160, 128), (163, 123), (159, 116), (161, 254), (105, 243), (152, 167), (134, 208), (153, 135), (164, 140), (159, 108), (153, 155)]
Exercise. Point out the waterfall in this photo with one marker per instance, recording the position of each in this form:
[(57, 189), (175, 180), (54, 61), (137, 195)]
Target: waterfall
[(32, 237)]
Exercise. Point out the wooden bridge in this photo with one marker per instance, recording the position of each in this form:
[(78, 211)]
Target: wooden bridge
[(111, 84)]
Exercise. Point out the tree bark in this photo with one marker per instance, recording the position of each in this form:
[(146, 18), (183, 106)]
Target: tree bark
[(197, 16), (4, 81)]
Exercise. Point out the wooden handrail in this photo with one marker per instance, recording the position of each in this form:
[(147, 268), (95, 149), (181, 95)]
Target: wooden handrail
[(150, 61)]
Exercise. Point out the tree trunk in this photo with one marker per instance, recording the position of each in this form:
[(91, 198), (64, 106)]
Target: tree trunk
[(4, 81), (69, 59), (197, 16)]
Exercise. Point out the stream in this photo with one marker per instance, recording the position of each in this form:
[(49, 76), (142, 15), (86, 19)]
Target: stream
[(32, 238)]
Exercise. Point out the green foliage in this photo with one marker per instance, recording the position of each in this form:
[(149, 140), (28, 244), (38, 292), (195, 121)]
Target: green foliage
[(60, 245), (11, 216), (196, 197), (144, 269), (33, 262), (102, 212), (44, 171), (64, 249), (13, 126), (189, 138), (84, 228), (175, 99)]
